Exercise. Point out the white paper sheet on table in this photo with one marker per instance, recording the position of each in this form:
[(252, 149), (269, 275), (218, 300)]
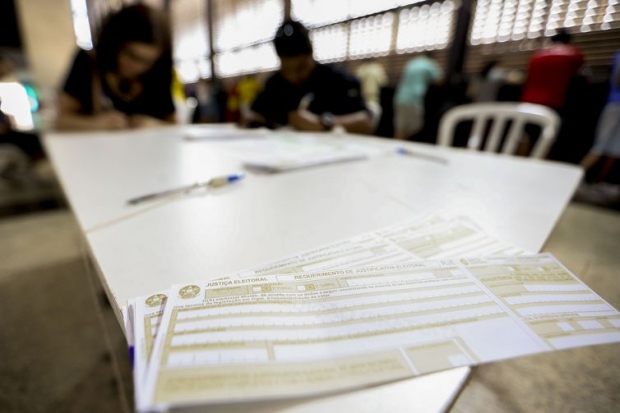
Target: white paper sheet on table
[(147, 313), (284, 151), (310, 333), (224, 132), (127, 323), (426, 237)]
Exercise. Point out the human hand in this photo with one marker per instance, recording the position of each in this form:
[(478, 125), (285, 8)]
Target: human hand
[(111, 120), (251, 119), (304, 120), (144, 121)]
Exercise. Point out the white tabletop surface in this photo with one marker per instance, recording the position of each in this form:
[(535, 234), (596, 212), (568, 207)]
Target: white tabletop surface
[(146, 248)]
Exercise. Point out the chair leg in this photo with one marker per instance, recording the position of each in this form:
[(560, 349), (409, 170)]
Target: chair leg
[(525, 146)]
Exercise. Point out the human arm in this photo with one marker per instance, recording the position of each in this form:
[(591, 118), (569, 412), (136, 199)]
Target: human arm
[(435, 74), (337, 101), (357, 122), (70, 118), (269, 108), (140, 121), (75, 100), (252, 119), (82, 106)]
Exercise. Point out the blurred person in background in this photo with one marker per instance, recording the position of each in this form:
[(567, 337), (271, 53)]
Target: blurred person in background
[(551, 70), (606, 147), (206, 110), (248, 89), (307, 95), (420, 72), (372, 78), (233, 107), (486, 85), (126, 81)]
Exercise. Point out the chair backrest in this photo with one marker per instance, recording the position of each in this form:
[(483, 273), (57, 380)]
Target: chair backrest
[(499, 113)]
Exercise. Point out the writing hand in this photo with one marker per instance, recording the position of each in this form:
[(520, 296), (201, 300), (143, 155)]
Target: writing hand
[(111, 120), (144, 121), (304, 120)]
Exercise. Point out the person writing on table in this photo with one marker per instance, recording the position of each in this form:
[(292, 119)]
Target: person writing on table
[(126, 80), (307, 95)]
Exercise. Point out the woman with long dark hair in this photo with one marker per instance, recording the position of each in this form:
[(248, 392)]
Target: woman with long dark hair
[(125, 81)]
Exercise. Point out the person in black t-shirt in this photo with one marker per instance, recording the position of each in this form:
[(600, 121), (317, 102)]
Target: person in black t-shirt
[(126, 80), (305, 94)]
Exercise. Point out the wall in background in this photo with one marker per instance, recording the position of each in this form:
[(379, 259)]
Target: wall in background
[(48, 39), (505, 30)]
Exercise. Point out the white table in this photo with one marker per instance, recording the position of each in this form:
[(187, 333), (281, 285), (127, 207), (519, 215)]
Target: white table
[(147, 248)]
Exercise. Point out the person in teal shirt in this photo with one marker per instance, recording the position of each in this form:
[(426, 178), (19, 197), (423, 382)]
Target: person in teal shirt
[(419, 74)]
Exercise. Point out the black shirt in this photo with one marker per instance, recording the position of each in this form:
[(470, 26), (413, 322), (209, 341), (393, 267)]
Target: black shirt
[(334, 91), (155, 99)]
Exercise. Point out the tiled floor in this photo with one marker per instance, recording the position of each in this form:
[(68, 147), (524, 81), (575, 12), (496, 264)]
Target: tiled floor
[(53, 354), (57, 357)]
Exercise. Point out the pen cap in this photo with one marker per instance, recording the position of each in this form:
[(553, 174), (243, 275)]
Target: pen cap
[(225, 180), (235, 177)]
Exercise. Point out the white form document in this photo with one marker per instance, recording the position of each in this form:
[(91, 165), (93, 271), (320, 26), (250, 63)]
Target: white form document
[(427, 236), (282, 151), (220, 132), (278, 336), (127, 322), (558, 307), (147, 314)]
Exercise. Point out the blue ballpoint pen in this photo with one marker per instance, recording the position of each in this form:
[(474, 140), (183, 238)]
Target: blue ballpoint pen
[(216, 182)]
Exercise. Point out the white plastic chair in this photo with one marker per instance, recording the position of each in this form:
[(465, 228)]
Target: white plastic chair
[(500, 113)]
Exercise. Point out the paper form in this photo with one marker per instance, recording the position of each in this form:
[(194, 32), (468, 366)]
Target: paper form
[(427, 237), (289, 335), (540, 292), (148, 311), (223, 132), (288, 151), (127, 323), (421, 238)]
